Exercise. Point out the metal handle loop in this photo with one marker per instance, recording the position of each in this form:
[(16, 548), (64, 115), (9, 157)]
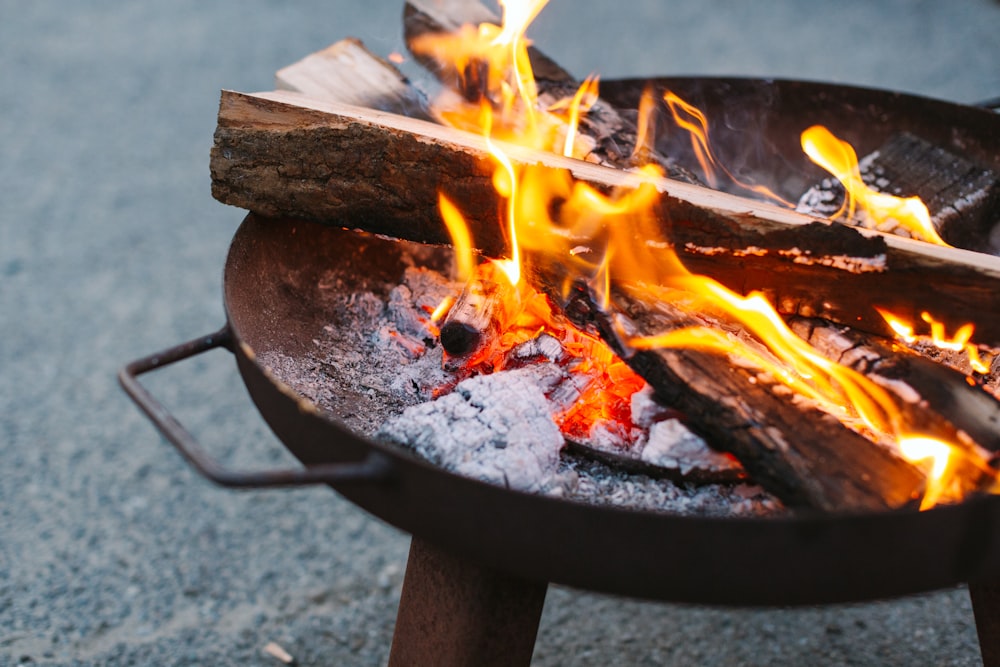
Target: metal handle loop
[(375, 467)]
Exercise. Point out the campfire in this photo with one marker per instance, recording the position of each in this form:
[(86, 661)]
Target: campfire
[(615, 310)]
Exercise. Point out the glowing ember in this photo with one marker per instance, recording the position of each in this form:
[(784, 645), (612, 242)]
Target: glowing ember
[(840, 159)]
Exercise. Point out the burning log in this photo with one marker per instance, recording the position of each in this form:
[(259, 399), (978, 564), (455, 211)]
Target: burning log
[(616, 140), (284, 154), (931, 394), (963, 198), (421, 17), (481, 313), (804, 456)]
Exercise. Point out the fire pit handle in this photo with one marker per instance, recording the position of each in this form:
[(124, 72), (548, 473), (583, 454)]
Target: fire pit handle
[(374, 468)]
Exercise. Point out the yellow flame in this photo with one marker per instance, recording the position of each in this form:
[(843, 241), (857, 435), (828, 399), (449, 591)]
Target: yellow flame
[(461, 240), (956, 343), (939, 454), (902, 329), (960, 341), (645, 127), (583, 100), (439, 313), (616, 238), (839, 158)]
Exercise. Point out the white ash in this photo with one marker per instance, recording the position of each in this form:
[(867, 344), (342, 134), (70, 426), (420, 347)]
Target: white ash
[(645, 409), (665, 442), (376, 357), (496, 428), (600, 485), (514, 442), (377, 365), (544, 345), (671, 445)]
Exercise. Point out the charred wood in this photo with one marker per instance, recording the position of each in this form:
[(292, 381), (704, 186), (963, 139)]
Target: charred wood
[(803, 456), (481, 312), (937, 399), (422, 17), (284, 154), (962, 197)]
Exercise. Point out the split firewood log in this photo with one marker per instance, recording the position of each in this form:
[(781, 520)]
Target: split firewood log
[(802, 455), (284, 154), (349, 73), (938, 399)]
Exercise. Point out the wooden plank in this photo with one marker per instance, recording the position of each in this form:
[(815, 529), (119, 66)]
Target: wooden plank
[(349, 73)]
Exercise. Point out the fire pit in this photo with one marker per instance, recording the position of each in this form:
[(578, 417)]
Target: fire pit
[(483, 553), (272, 281)]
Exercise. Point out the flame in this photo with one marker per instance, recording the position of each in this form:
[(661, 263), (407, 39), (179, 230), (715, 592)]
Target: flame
[(961, 341), (839, 158), (439, 313), (461, 240), (939, 454), (691, 119), (584, 99), (615, 238)]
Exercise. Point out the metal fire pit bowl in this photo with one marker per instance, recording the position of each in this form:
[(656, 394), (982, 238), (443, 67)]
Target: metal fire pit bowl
[(270, 292)]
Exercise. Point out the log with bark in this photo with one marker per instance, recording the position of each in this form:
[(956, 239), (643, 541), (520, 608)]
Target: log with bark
[(285, 154), (939, 399)]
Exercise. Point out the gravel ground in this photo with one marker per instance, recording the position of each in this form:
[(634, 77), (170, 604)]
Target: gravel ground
[(112, 551)]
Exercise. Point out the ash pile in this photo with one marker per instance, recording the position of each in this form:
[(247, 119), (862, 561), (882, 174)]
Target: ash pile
[(379, 368)]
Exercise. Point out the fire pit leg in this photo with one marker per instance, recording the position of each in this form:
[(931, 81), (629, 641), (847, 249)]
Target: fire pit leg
[(986, 607), (455, 612)]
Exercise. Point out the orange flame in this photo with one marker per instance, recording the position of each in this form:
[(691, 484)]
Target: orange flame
[(461, 240), (690, 118), (614, 238), (839, 158), (960, 341)]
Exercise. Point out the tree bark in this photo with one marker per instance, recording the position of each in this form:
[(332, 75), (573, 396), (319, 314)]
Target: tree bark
[(802, 455)]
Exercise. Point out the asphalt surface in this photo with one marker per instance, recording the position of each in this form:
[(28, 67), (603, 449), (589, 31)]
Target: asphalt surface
[(112, 551)]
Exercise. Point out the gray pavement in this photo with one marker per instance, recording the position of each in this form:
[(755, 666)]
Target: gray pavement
[(112, 551)]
